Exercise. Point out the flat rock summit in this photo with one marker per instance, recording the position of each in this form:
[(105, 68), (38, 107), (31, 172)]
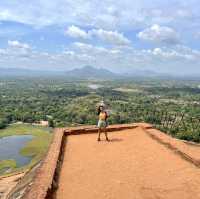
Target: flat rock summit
[(139, 162)]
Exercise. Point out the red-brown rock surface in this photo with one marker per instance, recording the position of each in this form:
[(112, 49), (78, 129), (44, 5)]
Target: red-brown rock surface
[(132, 165)]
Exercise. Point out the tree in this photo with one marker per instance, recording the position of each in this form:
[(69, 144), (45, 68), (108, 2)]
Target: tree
[(3, 123), (51, 123)]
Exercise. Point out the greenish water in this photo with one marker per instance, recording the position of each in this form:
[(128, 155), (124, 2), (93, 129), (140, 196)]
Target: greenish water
[(10, 147)]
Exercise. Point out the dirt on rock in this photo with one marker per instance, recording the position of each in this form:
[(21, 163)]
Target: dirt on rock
[(8, 183), (131, 166)]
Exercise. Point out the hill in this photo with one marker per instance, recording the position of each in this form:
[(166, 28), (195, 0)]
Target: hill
[(19, 72), (89, 72)]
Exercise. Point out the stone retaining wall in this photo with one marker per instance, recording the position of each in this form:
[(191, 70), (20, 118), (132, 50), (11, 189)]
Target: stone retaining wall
[(44, 178), (190, 152)]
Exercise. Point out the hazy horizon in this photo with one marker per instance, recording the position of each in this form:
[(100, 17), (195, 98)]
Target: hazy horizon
[(120, 36)]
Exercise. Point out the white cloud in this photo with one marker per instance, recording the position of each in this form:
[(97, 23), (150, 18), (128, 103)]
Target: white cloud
[(117, 58), (90, 49), (2, 51), (83, 46), (159, 34), (165, 53), (179, 53), (76, 32), (197, 35), (109, 37), (108, 14), (17, 44), (112, 37), (183, 13), (69, 52)]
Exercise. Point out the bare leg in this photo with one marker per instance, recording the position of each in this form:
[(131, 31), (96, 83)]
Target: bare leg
[(106, 134), (99, 133)]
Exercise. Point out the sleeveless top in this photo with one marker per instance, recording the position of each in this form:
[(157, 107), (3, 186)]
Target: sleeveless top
[(102, 116)]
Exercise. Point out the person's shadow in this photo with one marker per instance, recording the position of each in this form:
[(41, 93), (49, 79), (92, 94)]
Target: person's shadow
[(115, 139)]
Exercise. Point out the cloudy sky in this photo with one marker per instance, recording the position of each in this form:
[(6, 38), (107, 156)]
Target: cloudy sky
[(122, 35)]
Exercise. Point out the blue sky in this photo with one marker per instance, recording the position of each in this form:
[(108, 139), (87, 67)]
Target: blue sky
[(121, 35)]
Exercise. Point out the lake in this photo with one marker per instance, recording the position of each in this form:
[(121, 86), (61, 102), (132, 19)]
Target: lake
[(10, 147)]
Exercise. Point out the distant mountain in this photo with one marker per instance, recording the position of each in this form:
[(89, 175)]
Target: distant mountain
[(144, 73), (18, 72), (89, 72)]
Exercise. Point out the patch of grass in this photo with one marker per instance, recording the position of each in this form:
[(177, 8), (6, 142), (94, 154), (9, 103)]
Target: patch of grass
[(10, 164), (35, 148), (23, 129)]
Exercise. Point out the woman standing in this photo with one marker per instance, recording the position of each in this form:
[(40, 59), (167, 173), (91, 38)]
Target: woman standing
[(102, 123)]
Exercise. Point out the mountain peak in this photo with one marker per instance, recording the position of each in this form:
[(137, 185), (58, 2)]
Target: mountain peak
[(88, 72), (88, 67)]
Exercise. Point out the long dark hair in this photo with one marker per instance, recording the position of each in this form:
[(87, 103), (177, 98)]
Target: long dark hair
[(99, 111)]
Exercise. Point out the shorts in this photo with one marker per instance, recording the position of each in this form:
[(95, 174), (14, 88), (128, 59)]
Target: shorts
[(102, 124)]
